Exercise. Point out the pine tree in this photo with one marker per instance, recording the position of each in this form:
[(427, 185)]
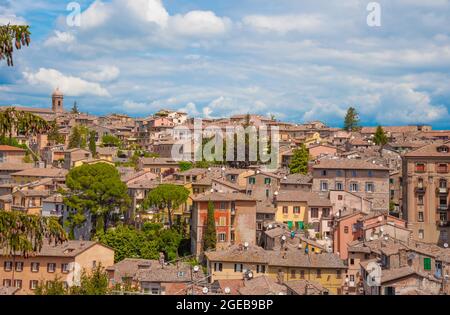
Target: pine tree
[(210, 236), (75, 108), (92, 144), (300, 159), (380, 137), (351, 122), (75, 138)]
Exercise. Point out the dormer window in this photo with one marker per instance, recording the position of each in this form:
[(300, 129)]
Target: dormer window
[(443, 149)]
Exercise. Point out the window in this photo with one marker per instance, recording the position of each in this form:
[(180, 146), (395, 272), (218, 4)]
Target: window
[(339, 274), (34, 267), (338, 173), (442, 183), (296, 210), (354, 187), (260, 269), (285, 210), (8, 265), (259, 226), (325, 212), (33, 284), (391, 181), (223, 205), (324, 185), (238, 267), (293, 274), (324, 173), (222, 237), (420, 216), (222, 221), (340, 197), (370, 187), (420, 168), (442, 168), (94, 264), (354, 173), (65, 268), (339, 186), (19, 266), (267, 193), (217, 266), (252, 180), (51, 267), (421, 234), (18, 284), (7, 283), (302, 274), (232, 237), (314, 212), (443, 149), (352, 278), (427, 263), (352, 261), (267, 181), (370, 174), (346, 229), (319, 273), (420, 200)]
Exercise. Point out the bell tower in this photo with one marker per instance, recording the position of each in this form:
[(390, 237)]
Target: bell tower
[(57, 101)]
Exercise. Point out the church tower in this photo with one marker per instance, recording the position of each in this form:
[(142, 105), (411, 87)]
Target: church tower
[(57, 101)]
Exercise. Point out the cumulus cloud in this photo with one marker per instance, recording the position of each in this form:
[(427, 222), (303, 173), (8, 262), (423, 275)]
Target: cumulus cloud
[(95, 15), (69, 85), (284, 23), (104, 74), (60, 38), (201, 23)]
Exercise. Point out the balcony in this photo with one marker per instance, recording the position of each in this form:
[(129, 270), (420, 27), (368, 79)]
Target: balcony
[(441, 223), (18, 208), (442, 207), (442, 190), (420, 190)]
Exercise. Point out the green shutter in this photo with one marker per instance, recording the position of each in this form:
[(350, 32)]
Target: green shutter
[(427, 263), (290, 225), (300, 225)]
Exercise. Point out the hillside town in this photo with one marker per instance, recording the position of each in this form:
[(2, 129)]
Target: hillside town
[(344, 211)]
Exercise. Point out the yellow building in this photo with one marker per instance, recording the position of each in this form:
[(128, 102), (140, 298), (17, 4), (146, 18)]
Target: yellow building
[(240, 262), (291, 207)]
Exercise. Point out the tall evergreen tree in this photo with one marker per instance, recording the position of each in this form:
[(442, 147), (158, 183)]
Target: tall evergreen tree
[(351, 122), (210, 236), (92, 144), (380, 138), (75, 108), (75, 138), (300, 159)]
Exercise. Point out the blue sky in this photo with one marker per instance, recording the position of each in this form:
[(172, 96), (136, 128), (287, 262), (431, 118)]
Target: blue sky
[(299, 60)]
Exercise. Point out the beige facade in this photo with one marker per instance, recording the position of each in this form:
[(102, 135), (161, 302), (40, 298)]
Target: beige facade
[(426, 177), (64, 262)]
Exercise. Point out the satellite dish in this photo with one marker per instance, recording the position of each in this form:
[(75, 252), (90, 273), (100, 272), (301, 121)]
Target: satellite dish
[(205, 290), (446, 245), (227, 290), (212, 190), (381, 229), (371, 238), (270, 226), (246, 244), (300, 246), (380, 219), (196, 268), (209, 169), (250, 275), (386, 238), (283, 237)]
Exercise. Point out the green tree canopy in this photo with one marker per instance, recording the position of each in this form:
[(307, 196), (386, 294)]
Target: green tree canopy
[(351, 121), (210, 236), (300, 159), (167, 196), (96, 188), (380, 138), (13, 36), (185, 166), (111, 141)]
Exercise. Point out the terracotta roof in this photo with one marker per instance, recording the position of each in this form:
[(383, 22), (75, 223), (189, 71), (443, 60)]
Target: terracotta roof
[(431, 150), (305, 287), (237, 253), (15, 166), (217, 196), (156, 272), (262, 285), (297, 179), (10, 148), (42, 172), (349, 164), (66, 249), (56, 198), (389, 275), (8, 290)]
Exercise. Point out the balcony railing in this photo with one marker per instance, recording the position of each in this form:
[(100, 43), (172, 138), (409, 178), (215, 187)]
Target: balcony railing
[(442, 190), (442, 223), (442, 207), (420, 190)]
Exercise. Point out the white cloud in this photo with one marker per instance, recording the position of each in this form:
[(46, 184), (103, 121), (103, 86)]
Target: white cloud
[(284, 23), (150, 11), (136, 107), (69, 85), (95, 15), (60, 38), (105, 73), (202, 23)]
